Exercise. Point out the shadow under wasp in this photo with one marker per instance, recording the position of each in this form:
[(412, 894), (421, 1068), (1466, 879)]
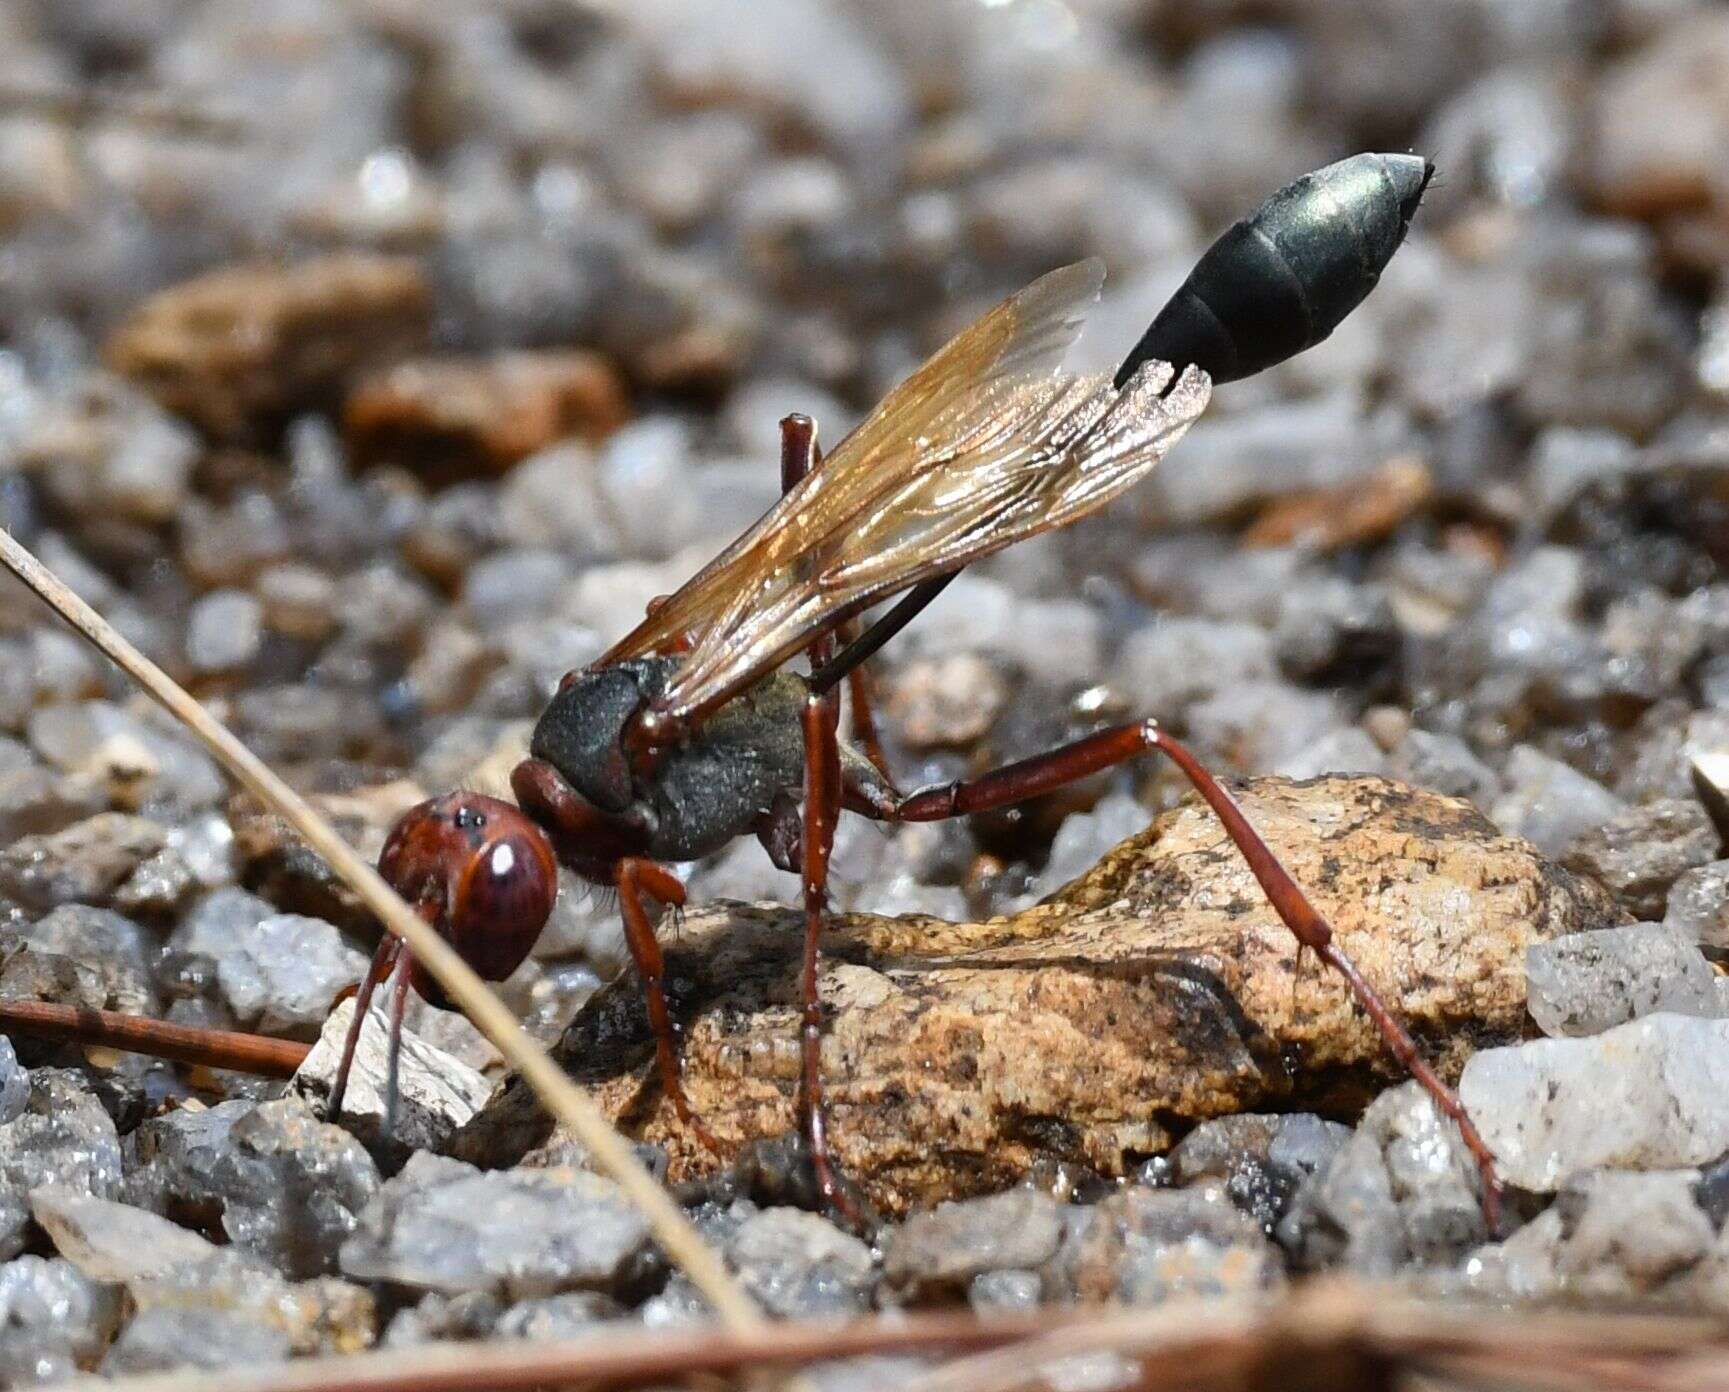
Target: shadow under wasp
[(692, 730)]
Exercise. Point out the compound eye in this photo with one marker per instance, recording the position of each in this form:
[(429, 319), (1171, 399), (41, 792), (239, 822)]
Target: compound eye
[(503, 898)]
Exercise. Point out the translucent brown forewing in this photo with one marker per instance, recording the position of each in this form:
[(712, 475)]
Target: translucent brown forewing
[(982, 446)]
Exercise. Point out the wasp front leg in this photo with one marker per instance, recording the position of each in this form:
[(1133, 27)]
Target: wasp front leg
[(638, 878), (602, 853)]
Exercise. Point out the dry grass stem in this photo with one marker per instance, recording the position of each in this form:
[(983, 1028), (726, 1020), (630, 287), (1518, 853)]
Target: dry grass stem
[(1325, 1334), (573, 1108)]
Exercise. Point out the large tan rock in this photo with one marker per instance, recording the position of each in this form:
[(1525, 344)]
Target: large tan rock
[(1156, 991)]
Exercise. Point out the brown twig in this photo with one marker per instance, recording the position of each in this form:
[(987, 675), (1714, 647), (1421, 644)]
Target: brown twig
[(563, 1098), (68, 103), (139, 1034)]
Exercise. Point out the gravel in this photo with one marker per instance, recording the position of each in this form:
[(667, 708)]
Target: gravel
[(372, 415), (1540, 1106), (444, 1226), (1588, 982)]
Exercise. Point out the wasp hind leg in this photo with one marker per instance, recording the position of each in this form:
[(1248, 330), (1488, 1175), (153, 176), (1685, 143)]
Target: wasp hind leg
[(1044, 772)]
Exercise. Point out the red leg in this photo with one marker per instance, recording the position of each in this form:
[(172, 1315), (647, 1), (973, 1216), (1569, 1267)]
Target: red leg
[(1041, 774), (821, 810), (822, 801), (383, 959), (799, 455), (861, 708), (636, 877)]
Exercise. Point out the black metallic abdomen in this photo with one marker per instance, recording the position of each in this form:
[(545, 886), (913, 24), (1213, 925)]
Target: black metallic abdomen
[(1286, 276)]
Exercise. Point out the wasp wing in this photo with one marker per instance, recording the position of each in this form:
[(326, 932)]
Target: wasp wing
[(1024, 337), (984, 445)]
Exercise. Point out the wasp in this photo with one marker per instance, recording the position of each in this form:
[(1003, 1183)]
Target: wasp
[(694, 729)]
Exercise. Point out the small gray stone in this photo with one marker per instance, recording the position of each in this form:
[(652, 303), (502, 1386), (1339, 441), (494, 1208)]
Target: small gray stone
[(220, 923), (1523, 1266), (14, 1084), (165, 1338), (1550, 804), (946, 701), (799, 1265), (445, 1226), (499, 588), (205, 843), (115, 947), (1585, 983), (284, 973), (1622, 1229), (28, 974), (157, 887), (1175, 661), (1005, 1290), (298, 600), (471, 1315), (1402, 1190), (110, 1241), (84, 864), (271, 1177), (318, 1316), (942, 1251), (295, 1187), (39, 801), (1699, 906), (1346, 750), (564, 1316), (1446, 764), (1541, 1106), (1611, 1235), (32, 1357), (1148, 1246), (1059, 641), (1261, 724), (63, 1136), (644, 475), (1643, 850), (971, 615), (1261, 1160), (435, 1092), (224, 631), (1283, 447), (1329, 626), (141, 764), (51, 1306)]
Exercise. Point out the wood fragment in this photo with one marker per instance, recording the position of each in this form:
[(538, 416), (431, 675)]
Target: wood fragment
[(1353, 514), (138, 1034)]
